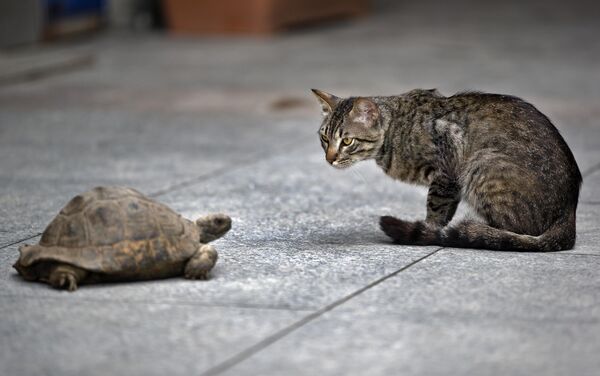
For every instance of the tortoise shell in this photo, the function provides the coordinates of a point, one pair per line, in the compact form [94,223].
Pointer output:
[116,230]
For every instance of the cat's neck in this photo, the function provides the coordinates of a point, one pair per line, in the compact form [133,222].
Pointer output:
[398,117]
[387,108]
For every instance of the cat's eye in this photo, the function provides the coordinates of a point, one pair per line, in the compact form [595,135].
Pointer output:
[347,141]
[324,138]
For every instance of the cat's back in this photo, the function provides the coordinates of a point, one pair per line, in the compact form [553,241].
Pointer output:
[507,123]
[512,127]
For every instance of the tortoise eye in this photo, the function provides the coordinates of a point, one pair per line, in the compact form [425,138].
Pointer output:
[347,141]
[324,138]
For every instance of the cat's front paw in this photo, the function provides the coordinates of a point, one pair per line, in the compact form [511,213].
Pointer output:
[393,227]
[408,233]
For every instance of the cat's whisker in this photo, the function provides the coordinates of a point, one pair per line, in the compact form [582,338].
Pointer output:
[357,173]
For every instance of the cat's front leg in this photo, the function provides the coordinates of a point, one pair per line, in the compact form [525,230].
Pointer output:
[442,200]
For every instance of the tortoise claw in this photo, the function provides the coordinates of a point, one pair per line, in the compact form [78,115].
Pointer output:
[64,281]
[201,263]
[200,275]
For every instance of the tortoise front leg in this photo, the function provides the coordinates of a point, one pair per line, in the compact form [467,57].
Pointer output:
[201,263]
[66,277]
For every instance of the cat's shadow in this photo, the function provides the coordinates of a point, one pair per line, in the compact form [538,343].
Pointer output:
[351,236]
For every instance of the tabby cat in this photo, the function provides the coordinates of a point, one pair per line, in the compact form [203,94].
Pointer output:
[496,152]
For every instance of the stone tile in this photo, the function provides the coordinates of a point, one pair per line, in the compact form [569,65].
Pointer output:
[456,282]
[300,239]
[67,335]
[577,122]
[457,312]
[276,276]
[588,229]
[297,196]
[372,344]
[52,156]
[590,190]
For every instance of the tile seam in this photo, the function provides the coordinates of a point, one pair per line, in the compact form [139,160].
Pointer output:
[183,184]
[269,340]
[59,299]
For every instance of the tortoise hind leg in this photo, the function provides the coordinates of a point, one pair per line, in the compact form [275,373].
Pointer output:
[66,277]
[201,263]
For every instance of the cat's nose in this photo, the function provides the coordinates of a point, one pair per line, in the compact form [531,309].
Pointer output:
[331,155]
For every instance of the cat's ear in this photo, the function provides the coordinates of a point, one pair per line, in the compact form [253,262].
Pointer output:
[365,111]
[327,101]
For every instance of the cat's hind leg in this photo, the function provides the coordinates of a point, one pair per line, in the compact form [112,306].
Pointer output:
[509,197]
[520,215]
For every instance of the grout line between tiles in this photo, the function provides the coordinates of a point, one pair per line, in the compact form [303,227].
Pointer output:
[190,182]
[257,158]
[20,240]
[257,347]
[198,179]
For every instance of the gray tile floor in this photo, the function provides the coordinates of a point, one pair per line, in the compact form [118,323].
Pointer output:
[306,283]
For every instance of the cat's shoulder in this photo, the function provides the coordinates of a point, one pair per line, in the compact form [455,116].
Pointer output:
[423,93]
[483,97]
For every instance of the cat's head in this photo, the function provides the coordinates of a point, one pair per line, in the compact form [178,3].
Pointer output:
[351,130]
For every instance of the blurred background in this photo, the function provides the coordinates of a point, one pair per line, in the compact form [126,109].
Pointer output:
[242,48]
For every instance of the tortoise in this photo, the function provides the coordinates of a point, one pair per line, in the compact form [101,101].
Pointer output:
[117,234]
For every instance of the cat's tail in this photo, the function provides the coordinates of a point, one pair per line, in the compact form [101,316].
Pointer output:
[472,234]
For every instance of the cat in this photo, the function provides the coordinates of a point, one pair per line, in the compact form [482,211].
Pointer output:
[496,152]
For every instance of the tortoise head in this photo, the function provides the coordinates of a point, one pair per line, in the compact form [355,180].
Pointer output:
[213,226]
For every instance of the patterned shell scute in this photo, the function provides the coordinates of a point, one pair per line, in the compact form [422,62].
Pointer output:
[139,216]
[170,222]
[105,223]
[106,216]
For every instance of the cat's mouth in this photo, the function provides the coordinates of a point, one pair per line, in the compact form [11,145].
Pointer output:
[345,163]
